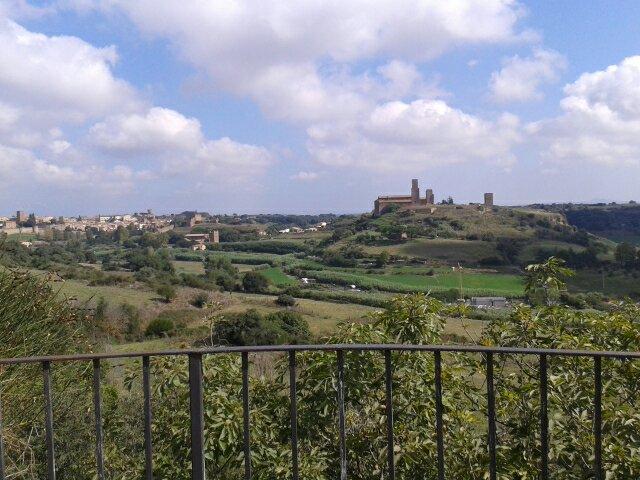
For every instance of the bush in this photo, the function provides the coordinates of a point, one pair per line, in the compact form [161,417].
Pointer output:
[132,320]
[167,292]
[159,327]
[285,300]
[255,282]
[252,328]
[199,300]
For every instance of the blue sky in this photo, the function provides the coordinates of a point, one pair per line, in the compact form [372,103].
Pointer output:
[314,106]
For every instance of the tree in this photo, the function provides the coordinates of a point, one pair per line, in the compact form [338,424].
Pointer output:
[545,281]
[255,282]
[121,235]
[626,255]
[509,248]
[382,259]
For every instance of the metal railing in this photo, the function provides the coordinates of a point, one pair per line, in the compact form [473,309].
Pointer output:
[197,407]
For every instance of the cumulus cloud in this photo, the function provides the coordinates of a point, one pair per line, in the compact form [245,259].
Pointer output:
[293,59]
[298,62]
[520,78]
[53,87]
[405,136]
[56,77]
[178,142]
[154,131]
[600,120]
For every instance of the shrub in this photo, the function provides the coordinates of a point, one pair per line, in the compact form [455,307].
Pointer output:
[167,292]
[199,300]
[285,300]
[252,328]
[159,327]
[132,320]
[255,282]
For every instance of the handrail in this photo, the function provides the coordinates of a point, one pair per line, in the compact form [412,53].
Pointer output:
[328,348]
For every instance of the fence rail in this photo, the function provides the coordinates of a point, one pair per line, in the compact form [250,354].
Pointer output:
[195,357]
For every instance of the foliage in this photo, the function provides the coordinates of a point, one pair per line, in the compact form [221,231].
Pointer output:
[415,319]
[253,328]
[159,327]
[167,292]
[285,300]
[199,300]
[545,281]
[35,321]
[255,282]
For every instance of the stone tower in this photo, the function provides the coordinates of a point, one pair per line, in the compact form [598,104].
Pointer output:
[429,197]
[488,199]
[415,191]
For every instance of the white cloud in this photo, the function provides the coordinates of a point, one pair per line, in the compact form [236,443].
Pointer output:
[55,87]
[22,169]
[600,122]
[294,58]
[305,176]
[154,131]
[519,79]
[178,144]
[59,78]
[420,134]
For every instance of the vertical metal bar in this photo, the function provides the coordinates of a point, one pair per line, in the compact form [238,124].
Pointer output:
[597,417]
[48,414]
[439,430]
[544,420]
[341,417]
[197,416]
[1,444]
[245,411]
[294,414]
[491,399]
[148,448]
[389,414]
[97,410]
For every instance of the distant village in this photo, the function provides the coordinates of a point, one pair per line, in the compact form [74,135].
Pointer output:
[47,228]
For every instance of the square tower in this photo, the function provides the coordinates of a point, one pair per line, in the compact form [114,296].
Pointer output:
[415,191]
[488,199]
[429,197]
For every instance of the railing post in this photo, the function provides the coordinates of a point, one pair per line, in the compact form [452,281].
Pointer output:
[197,416]
[97,409]
[48,418]
[245,415]
[341,417]
[1,443]
[544,420]
[148,417]
[439,430]
[294,414]
[491,399]
[389,414]
[597,417]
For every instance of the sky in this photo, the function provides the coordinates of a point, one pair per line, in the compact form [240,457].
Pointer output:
[315,106]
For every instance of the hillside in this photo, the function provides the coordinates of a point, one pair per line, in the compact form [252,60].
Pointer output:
[468,235]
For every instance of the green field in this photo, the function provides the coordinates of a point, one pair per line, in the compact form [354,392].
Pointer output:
[499,283]
[277,277]
[472,283]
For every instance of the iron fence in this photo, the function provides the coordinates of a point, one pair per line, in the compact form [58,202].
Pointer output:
[197,408]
